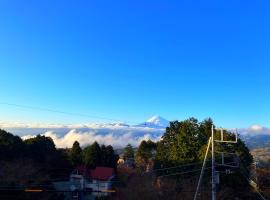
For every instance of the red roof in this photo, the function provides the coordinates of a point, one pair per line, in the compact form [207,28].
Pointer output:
[102,173]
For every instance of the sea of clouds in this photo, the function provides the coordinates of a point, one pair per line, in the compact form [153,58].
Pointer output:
[117,135]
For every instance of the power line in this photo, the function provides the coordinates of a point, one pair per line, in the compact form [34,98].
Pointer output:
[255,188]
[245,174]
[56,111]
[67,113]
[181,173]
[179,166]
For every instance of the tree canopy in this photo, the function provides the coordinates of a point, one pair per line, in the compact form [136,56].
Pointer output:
[94,155]
[145,153]
[186,141]
[128,152]
[10,146]
[76,154]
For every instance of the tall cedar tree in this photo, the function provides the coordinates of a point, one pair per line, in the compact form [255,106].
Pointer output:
[146,152]
[128,152]
[109,159]
[76,154]
[92,155]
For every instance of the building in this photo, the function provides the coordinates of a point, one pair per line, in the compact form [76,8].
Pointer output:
[98,180]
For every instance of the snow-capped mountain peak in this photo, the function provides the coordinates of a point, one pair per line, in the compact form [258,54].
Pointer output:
[158,121]
[155,122]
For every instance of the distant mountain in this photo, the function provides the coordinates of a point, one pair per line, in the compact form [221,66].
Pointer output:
[256,136]
[256,141]
[155,122]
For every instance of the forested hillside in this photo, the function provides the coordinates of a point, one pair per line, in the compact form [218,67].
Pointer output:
[166,169]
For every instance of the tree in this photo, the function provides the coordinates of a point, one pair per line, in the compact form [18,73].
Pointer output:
[128,152]
[76,154]
[41,148]
[186,141]
[109,159]
[145,154]
[104,161]
[92,155]
[10,146]
[181,142]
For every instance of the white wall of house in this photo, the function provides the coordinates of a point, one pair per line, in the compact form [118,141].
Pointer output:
[78,182]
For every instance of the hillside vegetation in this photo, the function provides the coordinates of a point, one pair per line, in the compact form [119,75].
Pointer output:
[167,169]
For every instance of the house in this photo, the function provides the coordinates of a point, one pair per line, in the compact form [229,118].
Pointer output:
[79,177]
[125,162]
[101,180]
[120,161]
[98,180]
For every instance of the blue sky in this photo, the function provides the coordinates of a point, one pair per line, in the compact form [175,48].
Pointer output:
[130,60]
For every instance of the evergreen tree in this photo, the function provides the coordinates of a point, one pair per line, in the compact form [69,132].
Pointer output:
[10,146]
[181,142]
[112,157]
[145,153]
[41,148]
[109,159]
[128,152]
[92,155]
[186,141]
[104,161]
[76,154]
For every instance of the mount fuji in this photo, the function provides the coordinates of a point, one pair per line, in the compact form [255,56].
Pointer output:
[116,134]
[155,122]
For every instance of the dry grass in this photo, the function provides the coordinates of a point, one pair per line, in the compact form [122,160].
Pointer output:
[262,153]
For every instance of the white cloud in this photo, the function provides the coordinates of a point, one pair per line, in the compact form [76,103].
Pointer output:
[117,135]
[254,130]
[86,138]
[256,127]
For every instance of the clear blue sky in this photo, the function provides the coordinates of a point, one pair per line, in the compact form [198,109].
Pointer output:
[130,60]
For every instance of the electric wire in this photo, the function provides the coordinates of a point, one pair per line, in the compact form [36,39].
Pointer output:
[68,113]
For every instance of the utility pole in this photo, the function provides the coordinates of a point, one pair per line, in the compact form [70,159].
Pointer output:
[213,166]
[203,168]
[215,175]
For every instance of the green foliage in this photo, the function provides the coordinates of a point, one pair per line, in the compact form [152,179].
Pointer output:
[10,146]
[37,159]
[109,159]
[145,153]
[186,141]
[41,148]
[128,152]
[92,155]
[181,142]
[76,154]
